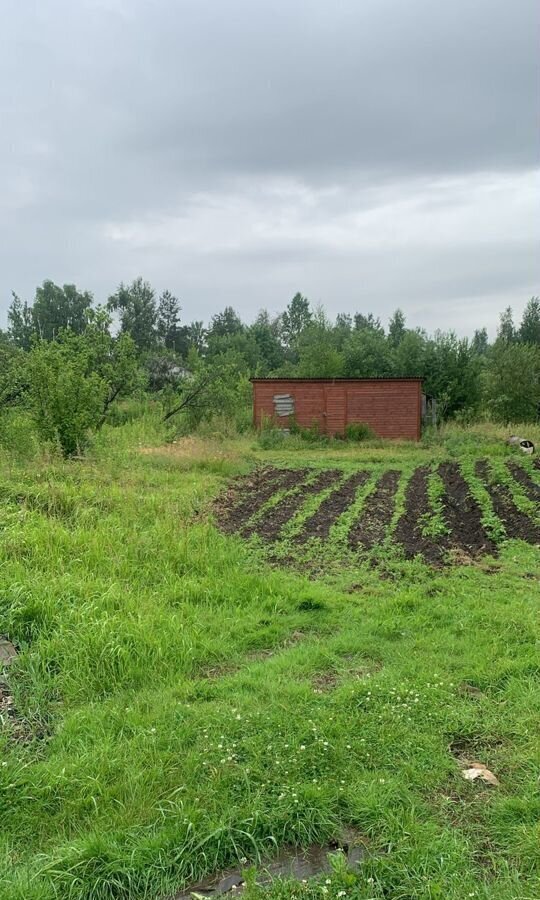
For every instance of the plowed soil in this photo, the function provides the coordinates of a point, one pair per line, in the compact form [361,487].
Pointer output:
[248,493]
[409,528]
[516,522]
[319,524]
[531,489]
[370,528]
[269,526]
[462,513]
[242,510]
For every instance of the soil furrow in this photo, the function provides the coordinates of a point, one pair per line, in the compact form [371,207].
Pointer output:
[269,527]
[516,522]
[249,493]
[370,528]
[462,513]
[319,524]
[408,531]
[531,489]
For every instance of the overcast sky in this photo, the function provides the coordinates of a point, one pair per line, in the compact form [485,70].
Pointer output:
[369,153]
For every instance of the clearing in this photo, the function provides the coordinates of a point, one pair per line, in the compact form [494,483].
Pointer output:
[216,656]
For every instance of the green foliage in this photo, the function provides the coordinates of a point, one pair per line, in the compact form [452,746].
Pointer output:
[512,382]
[13,375]
[366,354]
[409,357]
[225,324]
[529,330]
[358,431]
[136,304]
[311,434]
[66,397]
[18,434]
[171,334]
[451,373]
[480,342]
[318,354]
[294,321]
[222,389]
[20,323]
[72,383]
[270,353]
[54,309]
[396,328]
[156,351]
[185,706]
[270,437]
[507,330]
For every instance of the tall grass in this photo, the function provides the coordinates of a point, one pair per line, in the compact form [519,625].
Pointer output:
[169,723]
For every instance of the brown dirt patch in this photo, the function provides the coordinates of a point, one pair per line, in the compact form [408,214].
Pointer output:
[519,474]
[370,528]
[462,513]
[224,669]
[247,494]
[468,746]
[319,524]
[18,728]
[470,690]
[323,682]
[192,448]
[328,680]
[269,527]
[289,863]
[290,641]
[409,528]
[516,522]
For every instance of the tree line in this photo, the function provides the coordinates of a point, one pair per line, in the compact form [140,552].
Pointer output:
[67,361]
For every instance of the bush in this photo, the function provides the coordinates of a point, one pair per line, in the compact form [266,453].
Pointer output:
[311,434]
[511,383]
[271,437]
[66,401]
[358,431]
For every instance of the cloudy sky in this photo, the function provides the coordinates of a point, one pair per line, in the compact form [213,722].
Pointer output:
[369,153]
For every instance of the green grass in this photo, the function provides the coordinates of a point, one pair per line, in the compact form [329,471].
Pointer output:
[166,687]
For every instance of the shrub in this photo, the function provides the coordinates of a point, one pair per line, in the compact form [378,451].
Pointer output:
[511,383]
[311,434]
[66,401]
[358,431]
[270,436]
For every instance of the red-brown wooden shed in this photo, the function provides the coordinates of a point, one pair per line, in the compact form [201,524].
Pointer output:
[392,407]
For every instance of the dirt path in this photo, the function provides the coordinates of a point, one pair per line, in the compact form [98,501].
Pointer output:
[319,524]
[516,522]
[462,513]
[370,528]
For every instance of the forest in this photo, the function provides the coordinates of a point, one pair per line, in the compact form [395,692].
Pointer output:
[66,361]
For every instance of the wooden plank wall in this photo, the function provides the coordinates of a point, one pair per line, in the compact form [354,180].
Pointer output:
[391,408]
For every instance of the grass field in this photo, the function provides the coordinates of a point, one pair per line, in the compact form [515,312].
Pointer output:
[197,687]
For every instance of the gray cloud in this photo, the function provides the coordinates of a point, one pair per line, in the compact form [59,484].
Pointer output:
[369,153]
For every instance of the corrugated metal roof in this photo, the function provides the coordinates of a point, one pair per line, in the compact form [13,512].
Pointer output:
[332,380]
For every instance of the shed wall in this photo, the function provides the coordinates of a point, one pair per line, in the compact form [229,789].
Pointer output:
[391,408]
